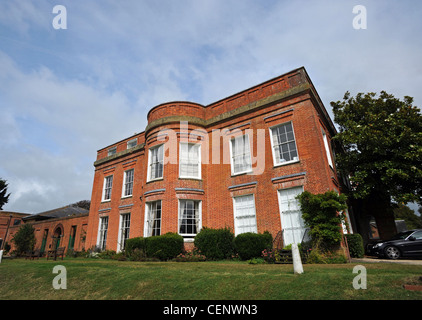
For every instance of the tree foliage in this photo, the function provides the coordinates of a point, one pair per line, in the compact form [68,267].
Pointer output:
[403,212]
[323,214]
[24,239]
[382,138]
[4,197]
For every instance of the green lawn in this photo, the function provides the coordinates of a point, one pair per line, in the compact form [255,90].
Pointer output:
[108,279]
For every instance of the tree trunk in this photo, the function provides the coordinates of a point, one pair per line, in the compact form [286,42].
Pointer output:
[379,206]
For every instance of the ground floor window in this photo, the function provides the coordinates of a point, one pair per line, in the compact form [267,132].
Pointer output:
[153,219]
[244,214]
[189,218]
[124,230]
[292,223]
[102,233]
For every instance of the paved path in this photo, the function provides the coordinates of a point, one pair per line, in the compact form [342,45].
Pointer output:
[377,260]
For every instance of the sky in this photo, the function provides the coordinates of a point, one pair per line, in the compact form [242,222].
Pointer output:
[66,93]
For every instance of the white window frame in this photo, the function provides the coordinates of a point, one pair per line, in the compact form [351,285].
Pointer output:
[190,236]
[327,148]
[150,151]
[105,188]
[127,184]
[131,143]
[102,233]
[288,213]
[149,219]
[236,215]
[124,230]
[232,155]
[282,163]
[197,161]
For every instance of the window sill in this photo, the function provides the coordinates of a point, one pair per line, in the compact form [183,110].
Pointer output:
[190,178]
[286,163]
[154,180]
[241,173]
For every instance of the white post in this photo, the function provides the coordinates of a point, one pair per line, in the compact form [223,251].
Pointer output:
[297,262]
[1,255]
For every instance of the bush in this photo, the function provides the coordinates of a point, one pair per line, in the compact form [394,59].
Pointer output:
[323,214]
[355,243]
[250,245]
[138,244]
[326,257]
[24,239]
[164,247]
[215,244]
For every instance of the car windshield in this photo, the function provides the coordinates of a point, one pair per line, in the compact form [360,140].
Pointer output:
[401,235]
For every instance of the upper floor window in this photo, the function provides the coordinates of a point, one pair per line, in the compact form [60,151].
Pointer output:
[327,148]
[283,144]
[131,143]
[240,155]
[156,162]
[111,151]
[108,184]
[190,161]
[128,183]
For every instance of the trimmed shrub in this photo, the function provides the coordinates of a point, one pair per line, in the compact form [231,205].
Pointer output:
[250,245]
[138,243]
[164,247]
[355,243]
[215,244]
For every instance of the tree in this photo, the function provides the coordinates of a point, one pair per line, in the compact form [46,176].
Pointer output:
[82,204]
[382,142]
[24,239]
[3,190]
[403,212]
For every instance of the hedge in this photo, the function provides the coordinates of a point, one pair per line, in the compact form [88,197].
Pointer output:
[250,245]
[355,243]
[164,247]
[135,243]
[215,244]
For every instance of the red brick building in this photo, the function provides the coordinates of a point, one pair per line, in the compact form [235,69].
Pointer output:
[238,163]
[61,227]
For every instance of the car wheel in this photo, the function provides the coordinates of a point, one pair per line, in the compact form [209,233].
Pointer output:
[392,253]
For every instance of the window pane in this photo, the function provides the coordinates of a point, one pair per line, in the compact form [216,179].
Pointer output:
[241,157]
[245,217]
[189,160]
[189,217]
[153,218]
[156,162]
[108,183]
[284,143]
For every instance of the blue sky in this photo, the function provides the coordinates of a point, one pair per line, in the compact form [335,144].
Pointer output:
[66,93]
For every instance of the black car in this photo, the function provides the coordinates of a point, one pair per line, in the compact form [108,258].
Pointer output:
[403,244]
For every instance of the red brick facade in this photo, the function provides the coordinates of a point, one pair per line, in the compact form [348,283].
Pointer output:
[255,112]
[67,231]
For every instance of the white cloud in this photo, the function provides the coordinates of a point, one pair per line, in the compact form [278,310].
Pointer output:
[66,93]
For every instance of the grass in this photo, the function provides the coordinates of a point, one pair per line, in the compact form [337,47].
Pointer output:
[120,280]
